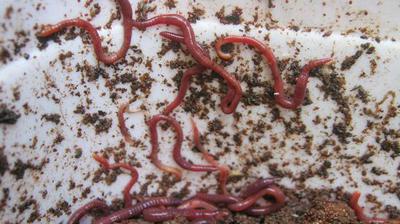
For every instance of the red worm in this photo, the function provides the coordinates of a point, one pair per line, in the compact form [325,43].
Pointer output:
[128,187]
[217,198]
[228,103]
[359,210]
[189,73]
[179,38]
[121,123]
[223,169]
[252,199]
[82,211]
[177,147]
[281,99]
[126,11]
[184,86]
[223,178]
[196,204]
[256,186]
[279,202]
[152,123]
[137,209]
[160,215]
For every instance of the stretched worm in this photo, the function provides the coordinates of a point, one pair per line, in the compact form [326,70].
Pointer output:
[137,209]
[256,186]
[252,199]
[82,211]
[223,169]
[184,86]
[195,203]
[132,170]
[360,211]
[126,11]
[121,123]
[160,215]
[301,83]
[229,102]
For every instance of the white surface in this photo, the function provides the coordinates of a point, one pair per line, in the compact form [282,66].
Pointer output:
[30,76]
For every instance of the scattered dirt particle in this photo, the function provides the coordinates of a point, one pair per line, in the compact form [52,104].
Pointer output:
[9,11]
[361,94]
[274,171]
[19,169]
[95,10]
[100,123]
[333,86]
[349,61]
[195,14]
[233,18]
[323,170]
[3,162]
[215,126]
[78,153]
[34,216]
[62,207]
[170,4]
[91,72]
[64,56]
[142,9]
[340,130]
[103,125]
[58,139]
[86,192]
[8,116]
[390,146]
[16,93]
[373,66]
[26,204]
[4,55]
[167,46]
[55,118]
[79,109]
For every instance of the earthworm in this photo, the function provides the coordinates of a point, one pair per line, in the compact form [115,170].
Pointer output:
[126,11]
[279,202]
[179,38]
[252,199]
[229,102]
[301,83]
[152,123]
[217,198]
[176,150]
[160,215]
[223,178]
[223,169]
[359,210]
[195,203]
[128,187]
[121,123]
[82,211]
[195,70]
[256,186]
[137,209]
